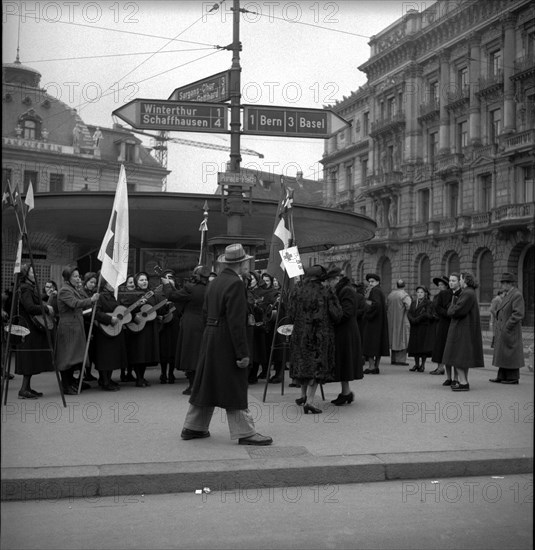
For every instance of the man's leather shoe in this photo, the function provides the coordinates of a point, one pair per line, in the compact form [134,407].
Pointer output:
[193,434]
[509,381]
[496,380]
[256,439]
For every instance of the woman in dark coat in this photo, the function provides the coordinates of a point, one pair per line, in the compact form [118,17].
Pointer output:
[422,333]
[71,337]
[169,326]
[464,346]
[375,342]
[190,299]
[348,364]
[90,281]
[142,346]
[441,302]
[28,361]
[109,351]
[313,309]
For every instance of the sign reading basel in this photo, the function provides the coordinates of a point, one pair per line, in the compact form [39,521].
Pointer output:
[289,122]
[154,114]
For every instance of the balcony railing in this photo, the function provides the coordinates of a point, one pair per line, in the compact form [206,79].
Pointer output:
[449,163]
[482,220]
[383,124]
[524,63]
[490,81]
[513,212]
[517,142]
[448,225]
[420,229]
[430,108]
[462,93]
[484,151]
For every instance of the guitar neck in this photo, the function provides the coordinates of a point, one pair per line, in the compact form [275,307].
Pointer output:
[156,307]
[146,296]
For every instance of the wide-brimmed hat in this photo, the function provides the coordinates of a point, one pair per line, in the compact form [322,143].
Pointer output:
[373,276]
[508,277]
[442,279]
[234,253]
[332,273]
[315,272]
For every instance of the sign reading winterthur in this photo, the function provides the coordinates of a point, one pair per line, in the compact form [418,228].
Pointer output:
[154,114]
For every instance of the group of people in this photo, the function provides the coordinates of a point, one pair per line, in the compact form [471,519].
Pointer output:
[220,330]
[447,329]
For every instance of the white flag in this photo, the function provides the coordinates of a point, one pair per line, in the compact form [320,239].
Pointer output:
[29,197]
[114,249]
[282,233]
[18,259]
[292,262]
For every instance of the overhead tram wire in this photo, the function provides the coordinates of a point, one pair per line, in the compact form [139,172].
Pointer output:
[113,55]
[123,31]
[293,22]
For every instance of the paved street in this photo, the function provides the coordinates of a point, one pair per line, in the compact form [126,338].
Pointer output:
[473,512]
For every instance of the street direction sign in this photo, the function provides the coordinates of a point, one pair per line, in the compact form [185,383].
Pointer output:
[291,122]
[235,178]
[178,116]
[215,88]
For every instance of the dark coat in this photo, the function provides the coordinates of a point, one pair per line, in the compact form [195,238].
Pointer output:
[188,344]
[464,346]
[441,302]
[219,382]
[109,352]
[313,309]
[168,334]
[143,347]
[422,333]
[348,364]
[508,347]
[361,310]
[375,333]
[31,362]
[71,337]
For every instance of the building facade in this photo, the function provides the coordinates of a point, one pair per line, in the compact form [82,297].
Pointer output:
[46,142]
[441,149]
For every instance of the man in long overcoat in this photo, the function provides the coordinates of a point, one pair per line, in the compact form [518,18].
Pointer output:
[375,335]
[508,347]
[398,304]
[221,374]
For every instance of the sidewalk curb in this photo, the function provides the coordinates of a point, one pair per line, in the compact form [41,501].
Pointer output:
[135,480]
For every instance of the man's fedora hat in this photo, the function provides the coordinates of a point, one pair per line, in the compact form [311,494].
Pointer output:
[234,253]
[508,277]
[442,279]
[202,271]
[315,272]
[373,276]
[332,273]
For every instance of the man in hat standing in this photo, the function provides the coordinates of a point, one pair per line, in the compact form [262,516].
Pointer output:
[441,303]
[508,346]
[375,335]
[221,376]
[398,304]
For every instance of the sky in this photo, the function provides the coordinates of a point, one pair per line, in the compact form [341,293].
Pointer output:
[294,54]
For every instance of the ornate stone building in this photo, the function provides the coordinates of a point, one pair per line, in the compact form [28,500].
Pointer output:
[46,142]
[441,150]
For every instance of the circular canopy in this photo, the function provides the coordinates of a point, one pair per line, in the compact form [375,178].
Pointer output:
[173,220]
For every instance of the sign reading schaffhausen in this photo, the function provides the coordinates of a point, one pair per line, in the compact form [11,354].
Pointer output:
[159,114]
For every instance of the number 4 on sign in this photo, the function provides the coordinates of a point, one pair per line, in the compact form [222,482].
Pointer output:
[292,262]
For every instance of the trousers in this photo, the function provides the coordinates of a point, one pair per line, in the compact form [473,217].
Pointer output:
[240,421]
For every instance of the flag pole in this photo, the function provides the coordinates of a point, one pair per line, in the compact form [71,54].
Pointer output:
[86,352]
[203,229]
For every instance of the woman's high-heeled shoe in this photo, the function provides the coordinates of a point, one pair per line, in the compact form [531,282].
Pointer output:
[311,409]
[343,399]
[301,400]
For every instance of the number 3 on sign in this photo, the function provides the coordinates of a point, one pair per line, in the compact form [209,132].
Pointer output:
[291,122]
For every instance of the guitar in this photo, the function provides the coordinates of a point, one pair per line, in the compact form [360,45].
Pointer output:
[147,313]
[43,323]
[168,317]
[124,316]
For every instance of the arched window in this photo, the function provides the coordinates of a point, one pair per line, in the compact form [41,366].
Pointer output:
[485,277]
[360,273]
[31,125]
[453,264]
[386,275]
[424,271]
